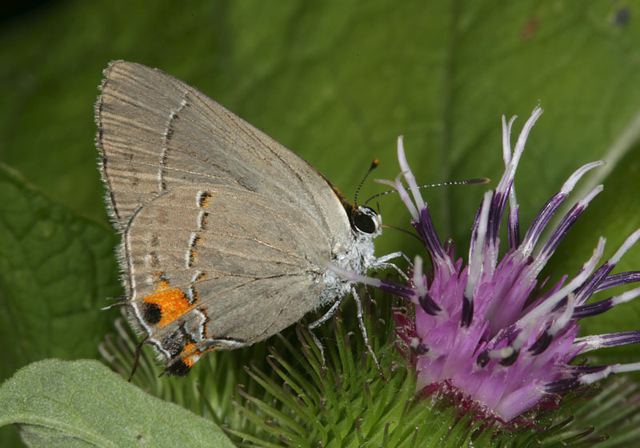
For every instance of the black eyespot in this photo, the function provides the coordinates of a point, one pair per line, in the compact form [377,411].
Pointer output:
[364,220]
[151,313]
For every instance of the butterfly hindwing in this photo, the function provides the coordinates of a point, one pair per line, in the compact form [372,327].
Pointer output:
[246,264]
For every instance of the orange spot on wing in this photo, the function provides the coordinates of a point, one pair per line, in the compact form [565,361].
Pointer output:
[172,302]
[191,354]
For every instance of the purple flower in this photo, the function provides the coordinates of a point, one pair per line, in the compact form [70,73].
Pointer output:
[482,330]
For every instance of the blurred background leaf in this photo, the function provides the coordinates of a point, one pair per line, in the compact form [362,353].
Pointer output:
[56,273]
[336,82]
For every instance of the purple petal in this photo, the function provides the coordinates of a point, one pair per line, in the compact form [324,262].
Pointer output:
[408,176]
[617,280]
[595,342]
[431,240]
[566,223]
[544,216]
[587,289]
[428,305]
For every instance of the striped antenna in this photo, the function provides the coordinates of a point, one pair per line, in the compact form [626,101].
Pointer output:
[474,181]
[373,166]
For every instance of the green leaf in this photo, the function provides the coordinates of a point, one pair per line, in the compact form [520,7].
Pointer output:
[84,404]
[56,272]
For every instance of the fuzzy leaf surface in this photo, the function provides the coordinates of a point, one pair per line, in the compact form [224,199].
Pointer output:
[84,404]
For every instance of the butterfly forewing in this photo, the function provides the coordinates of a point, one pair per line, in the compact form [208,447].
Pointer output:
[156,133]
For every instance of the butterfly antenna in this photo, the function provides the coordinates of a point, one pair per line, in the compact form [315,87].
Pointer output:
[374,165]
[474,181]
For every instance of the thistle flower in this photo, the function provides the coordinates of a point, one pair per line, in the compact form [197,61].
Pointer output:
[482,331]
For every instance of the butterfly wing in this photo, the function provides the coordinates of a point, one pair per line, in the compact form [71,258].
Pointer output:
[240,271]
[156,133]
[214,262]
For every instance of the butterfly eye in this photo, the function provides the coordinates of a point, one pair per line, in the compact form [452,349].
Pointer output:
[365,220]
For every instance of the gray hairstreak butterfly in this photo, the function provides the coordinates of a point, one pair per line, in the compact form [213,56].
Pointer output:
[227,236]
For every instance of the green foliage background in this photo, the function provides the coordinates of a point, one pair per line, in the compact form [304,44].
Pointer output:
[335,81]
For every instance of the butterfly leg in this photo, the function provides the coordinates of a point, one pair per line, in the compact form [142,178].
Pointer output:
[383,263]
[380,266]
[325,317]
[393,256]
[363,329]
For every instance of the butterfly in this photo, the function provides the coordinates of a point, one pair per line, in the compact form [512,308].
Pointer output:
[228,237]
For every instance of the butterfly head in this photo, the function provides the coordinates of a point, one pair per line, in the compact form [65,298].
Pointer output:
[365,221]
